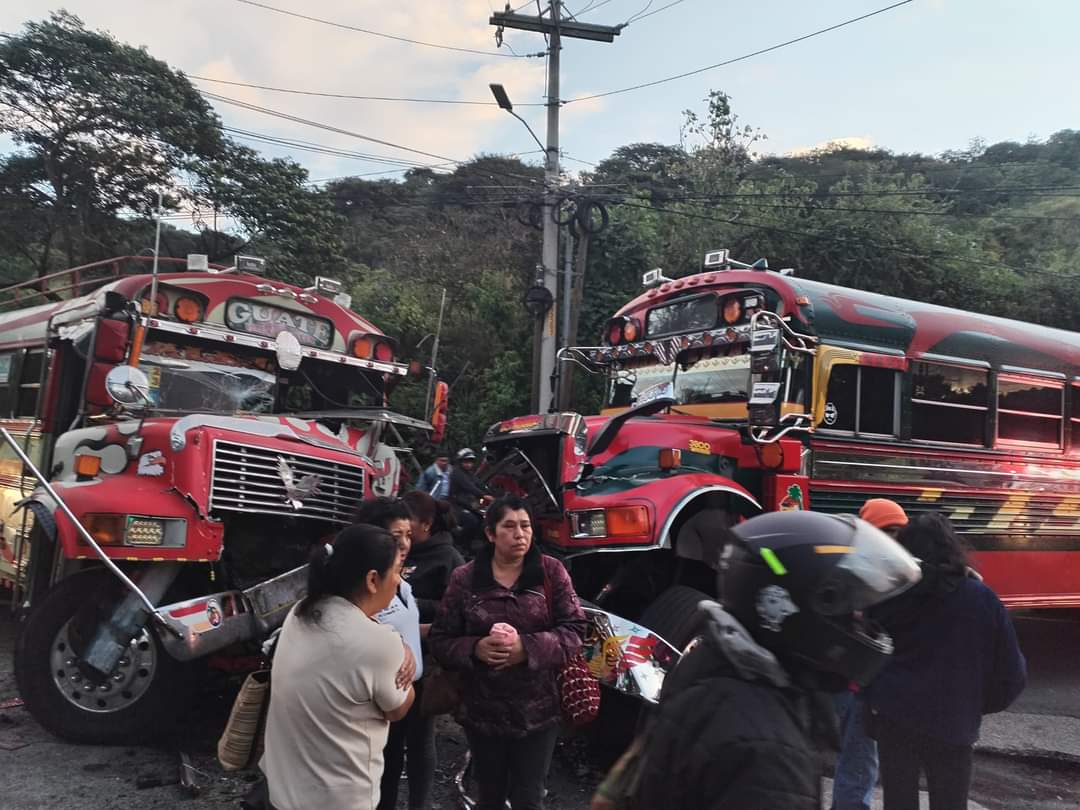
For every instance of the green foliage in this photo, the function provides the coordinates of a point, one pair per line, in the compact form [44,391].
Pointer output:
[102,127]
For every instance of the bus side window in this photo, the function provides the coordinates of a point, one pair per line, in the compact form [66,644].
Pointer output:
[1029,411]
[29,383]
[949,403]
[1074,420]
[862,400]
[7,364]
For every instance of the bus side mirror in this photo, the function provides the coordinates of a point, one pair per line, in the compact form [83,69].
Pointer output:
[128,387]
[763,409]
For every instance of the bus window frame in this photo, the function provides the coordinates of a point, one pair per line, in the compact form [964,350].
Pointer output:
[898,377]
[988,410]
[1042,382]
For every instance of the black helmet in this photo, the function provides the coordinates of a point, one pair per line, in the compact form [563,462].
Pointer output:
[800,582]
[465,454]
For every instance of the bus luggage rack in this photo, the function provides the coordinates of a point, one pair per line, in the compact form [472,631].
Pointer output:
[249,479]
[75,281]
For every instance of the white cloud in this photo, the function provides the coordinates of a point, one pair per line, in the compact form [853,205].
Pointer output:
[234,41]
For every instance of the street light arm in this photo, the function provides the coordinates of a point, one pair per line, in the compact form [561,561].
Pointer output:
[526,123]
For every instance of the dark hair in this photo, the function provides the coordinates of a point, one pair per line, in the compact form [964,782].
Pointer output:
[437,512]
[932,538]
[339,569]
[382,512]
[505,503]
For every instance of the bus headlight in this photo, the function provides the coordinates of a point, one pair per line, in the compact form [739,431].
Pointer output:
[613,522]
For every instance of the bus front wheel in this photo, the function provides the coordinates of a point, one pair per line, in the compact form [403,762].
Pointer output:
[70,699]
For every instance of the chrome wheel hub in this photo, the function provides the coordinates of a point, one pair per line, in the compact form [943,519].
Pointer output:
[127,683]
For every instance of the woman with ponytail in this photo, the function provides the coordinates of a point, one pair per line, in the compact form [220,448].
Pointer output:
[335,684]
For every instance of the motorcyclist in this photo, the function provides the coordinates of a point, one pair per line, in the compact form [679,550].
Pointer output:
[468,496]
[742,714]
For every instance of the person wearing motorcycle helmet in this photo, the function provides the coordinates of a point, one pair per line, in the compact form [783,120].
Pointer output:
[738,715]
[468,496]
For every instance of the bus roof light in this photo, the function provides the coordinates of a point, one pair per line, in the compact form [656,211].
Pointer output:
[326,286]
[716,259]
[198,261]
[654,277]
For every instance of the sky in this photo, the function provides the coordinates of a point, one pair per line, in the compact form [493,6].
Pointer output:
[927,76]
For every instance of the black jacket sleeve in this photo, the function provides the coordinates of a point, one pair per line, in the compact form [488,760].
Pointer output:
[1006,676]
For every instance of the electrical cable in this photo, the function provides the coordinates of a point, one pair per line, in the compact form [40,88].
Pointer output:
[841,240]
[340,131]
[732,61]
[380,34]
[327,94]
[654,11]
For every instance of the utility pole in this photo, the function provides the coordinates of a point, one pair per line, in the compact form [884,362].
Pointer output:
[556,28]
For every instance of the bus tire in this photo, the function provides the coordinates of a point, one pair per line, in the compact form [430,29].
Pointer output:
[674,615]
[139,698]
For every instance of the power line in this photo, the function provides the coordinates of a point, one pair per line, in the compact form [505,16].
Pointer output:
[328,127]
[654,11]
[1038,191]
[804,37]
[333,151]
[842,240]
[381,34]
[905,212]
[340,131]
[326,94]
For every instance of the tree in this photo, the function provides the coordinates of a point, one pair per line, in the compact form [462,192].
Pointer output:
[103,127]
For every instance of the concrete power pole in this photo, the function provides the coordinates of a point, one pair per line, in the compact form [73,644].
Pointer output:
[556,27]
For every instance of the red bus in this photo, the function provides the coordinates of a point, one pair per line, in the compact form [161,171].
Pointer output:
[204,428]
[740,389]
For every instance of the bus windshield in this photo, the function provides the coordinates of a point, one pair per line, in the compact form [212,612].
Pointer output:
[198,376]
[715,379]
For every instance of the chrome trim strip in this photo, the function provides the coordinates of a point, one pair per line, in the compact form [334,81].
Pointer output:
[256,342]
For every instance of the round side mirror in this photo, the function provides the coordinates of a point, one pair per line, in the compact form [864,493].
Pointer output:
[128,387]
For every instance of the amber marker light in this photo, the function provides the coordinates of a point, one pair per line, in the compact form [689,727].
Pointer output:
[625,521]
[188,310]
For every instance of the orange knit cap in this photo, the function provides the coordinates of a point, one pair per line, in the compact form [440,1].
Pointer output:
[881,512]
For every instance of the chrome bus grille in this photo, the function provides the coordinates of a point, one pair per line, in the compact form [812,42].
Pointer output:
[248,479]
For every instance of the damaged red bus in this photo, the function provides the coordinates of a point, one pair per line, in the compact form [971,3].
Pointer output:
[739,389]
[203,427]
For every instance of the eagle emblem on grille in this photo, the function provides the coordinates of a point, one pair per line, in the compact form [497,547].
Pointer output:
[296,492]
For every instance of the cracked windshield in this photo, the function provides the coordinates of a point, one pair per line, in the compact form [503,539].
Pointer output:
[716,379]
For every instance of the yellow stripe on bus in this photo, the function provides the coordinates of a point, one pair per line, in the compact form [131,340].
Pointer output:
[1008,511]
[930,495]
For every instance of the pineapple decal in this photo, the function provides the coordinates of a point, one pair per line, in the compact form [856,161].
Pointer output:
[793,501]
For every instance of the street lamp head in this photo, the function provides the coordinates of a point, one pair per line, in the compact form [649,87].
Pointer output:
[501,98]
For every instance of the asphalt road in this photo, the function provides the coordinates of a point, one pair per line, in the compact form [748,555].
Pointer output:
[1051,642]
[38,771]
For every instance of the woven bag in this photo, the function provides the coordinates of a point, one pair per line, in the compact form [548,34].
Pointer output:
[245,722]
[579,691]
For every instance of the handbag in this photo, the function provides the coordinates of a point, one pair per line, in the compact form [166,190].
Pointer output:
[246,721]
[579,691]
[440,691]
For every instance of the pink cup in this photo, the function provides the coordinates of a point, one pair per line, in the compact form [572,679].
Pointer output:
[505,632]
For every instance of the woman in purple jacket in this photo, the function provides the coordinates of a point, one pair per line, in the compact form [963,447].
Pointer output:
[511,698]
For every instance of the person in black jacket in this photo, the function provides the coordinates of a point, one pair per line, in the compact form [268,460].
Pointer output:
[433,556]
[956,659]
[468,496]
[739,716]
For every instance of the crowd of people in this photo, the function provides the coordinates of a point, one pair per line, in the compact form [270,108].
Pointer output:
[391,599]
[875,621]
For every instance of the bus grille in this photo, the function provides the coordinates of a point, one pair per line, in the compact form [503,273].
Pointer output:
[248,479]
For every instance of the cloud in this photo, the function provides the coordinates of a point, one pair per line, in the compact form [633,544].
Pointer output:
[229,40]
[852,142]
